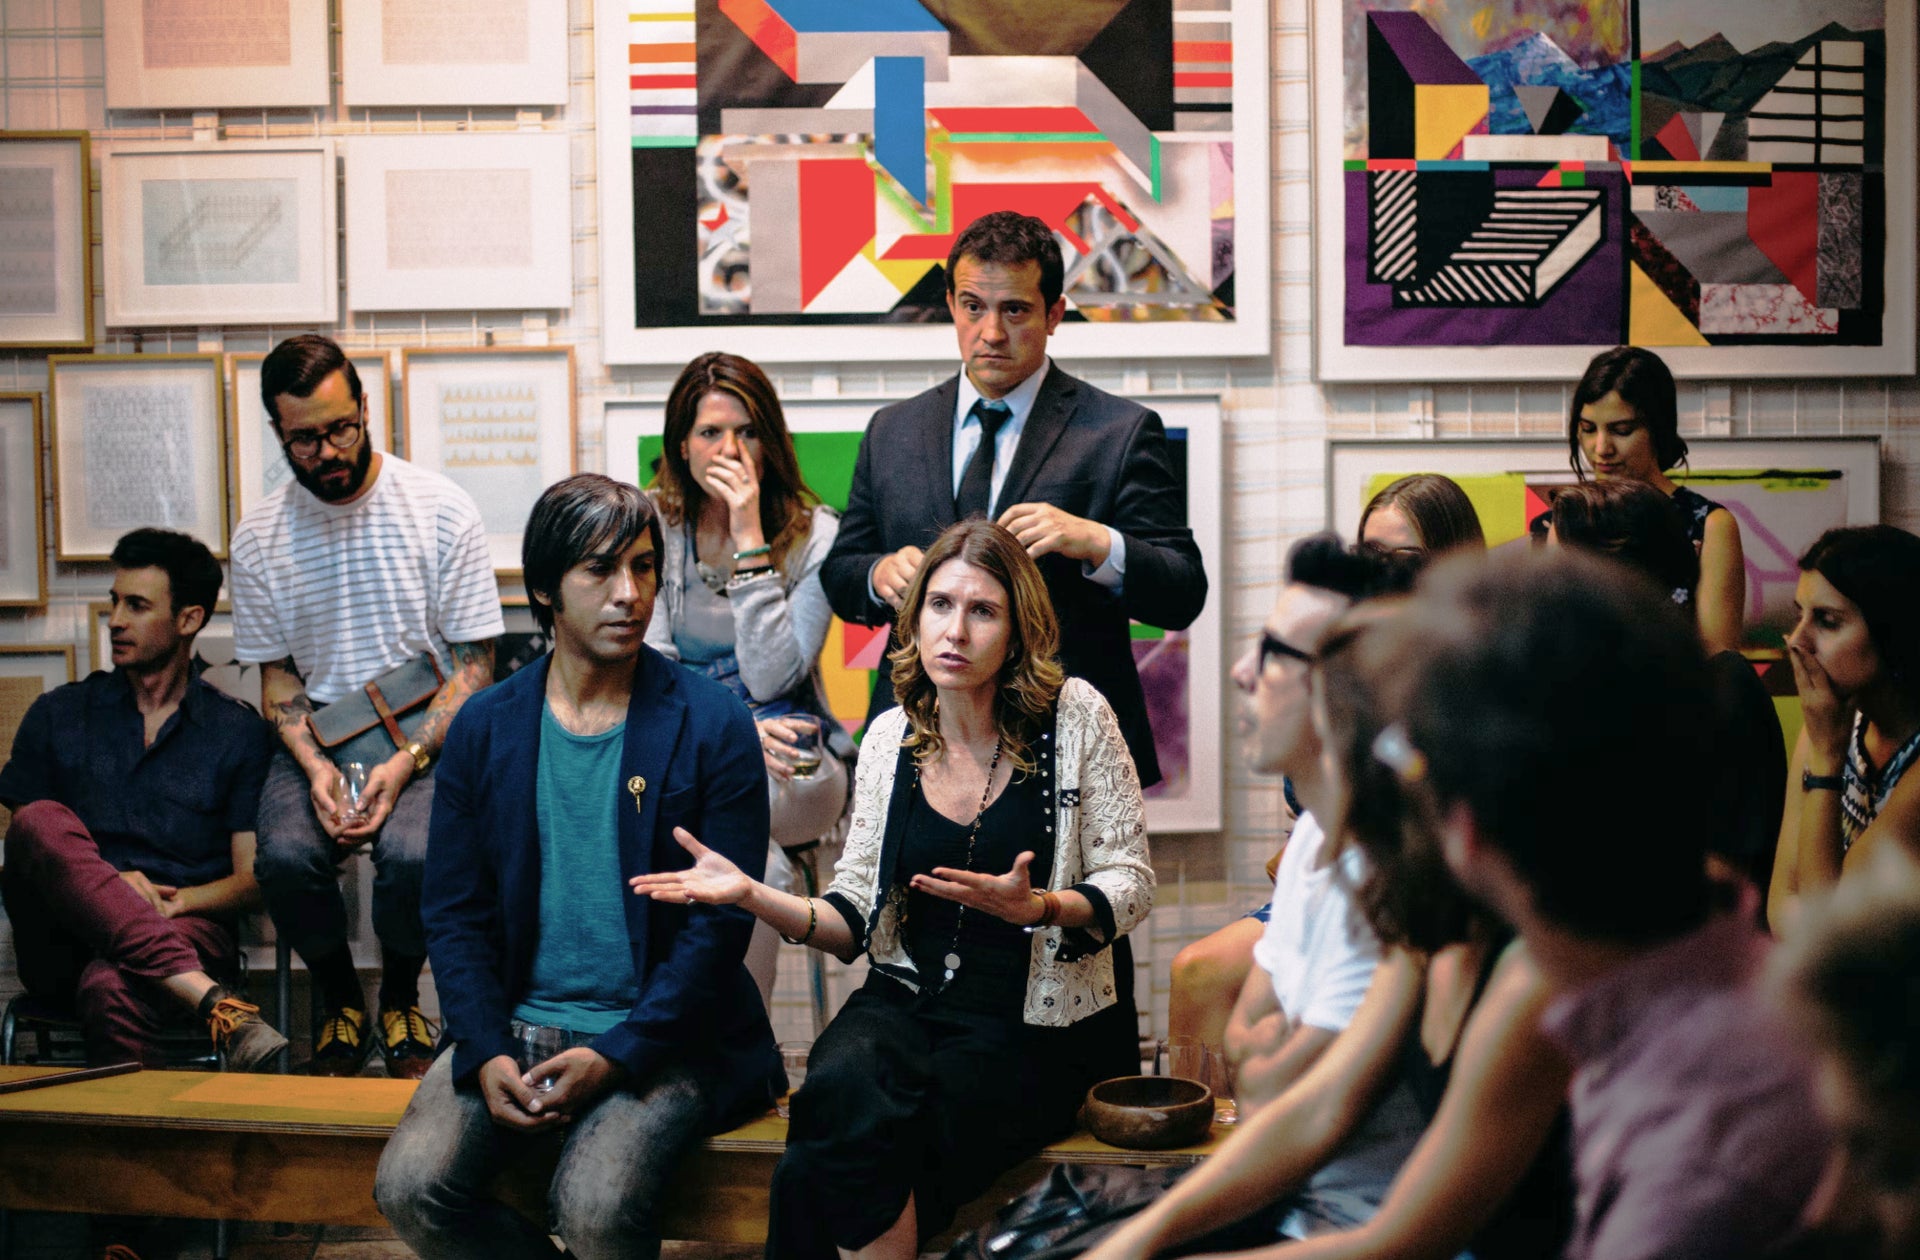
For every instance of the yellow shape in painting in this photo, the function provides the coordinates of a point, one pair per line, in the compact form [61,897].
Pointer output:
[1442,113]
[1653,319]
[1499,500]
[847,689]
[1483,23]
[902,274]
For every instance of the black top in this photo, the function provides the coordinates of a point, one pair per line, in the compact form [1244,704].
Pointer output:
[994,954]
[1695,508]
[168,811]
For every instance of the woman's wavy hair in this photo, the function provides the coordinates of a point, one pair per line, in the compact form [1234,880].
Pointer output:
[1644,382]
[1408,896]
[1031,677]
[1439,510]
[786,501]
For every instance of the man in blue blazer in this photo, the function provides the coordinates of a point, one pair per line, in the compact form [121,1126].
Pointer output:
[555,788]
[1083,478]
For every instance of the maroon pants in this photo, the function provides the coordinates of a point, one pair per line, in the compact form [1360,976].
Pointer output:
[82,934]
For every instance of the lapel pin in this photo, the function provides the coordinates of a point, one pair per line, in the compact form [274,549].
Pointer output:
[638,786]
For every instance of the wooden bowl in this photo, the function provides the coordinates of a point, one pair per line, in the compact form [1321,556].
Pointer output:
[1149,1113]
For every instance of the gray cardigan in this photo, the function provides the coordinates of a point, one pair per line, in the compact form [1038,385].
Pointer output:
[780,619]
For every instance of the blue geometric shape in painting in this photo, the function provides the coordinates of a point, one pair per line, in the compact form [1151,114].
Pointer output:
[1606,93]
[900,121]
[842,16]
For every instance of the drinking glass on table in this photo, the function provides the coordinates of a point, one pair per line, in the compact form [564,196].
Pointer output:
[1206,1062]
[793,1057]
[538,1043]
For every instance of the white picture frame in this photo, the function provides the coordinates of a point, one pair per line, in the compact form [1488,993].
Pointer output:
[1189,801]
[23,533]
[138,439]
[239,233]
[1245,24]
[417,208]
[500,422]
[217,54]
[453,52]
[256,466]
[46,231]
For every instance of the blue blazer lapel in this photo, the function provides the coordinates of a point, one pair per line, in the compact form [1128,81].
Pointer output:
[515,782]
[655,715]
[1048,420]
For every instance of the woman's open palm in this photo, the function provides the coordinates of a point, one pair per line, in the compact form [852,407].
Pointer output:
[711,880]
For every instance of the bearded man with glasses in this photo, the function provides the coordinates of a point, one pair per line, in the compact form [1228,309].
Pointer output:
[360,569]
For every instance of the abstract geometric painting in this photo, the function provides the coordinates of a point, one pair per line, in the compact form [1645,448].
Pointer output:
[1709,178]
[777,172]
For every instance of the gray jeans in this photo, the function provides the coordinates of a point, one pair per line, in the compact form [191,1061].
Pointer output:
[434,1176]
[298,866]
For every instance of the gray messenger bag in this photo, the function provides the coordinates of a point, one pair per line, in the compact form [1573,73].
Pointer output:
[380,719]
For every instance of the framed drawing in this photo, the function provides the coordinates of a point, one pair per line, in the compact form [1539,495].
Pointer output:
[238,54]
[27,672]
[255,465]
[458,222]
[1182,671]
[46,229]
[238,234]
[138,439]
[805,170]
[453,52]
[23,535]
[1783,491]
[500,422]
[1728,182]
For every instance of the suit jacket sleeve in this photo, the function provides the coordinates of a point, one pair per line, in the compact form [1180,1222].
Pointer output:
[460,906]
[1166,582]
[859,545]
[680,996]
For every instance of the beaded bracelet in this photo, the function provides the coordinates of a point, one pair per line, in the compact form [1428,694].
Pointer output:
[741,577]
[813,921]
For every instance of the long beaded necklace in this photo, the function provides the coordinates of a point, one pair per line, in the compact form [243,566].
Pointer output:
[952,960]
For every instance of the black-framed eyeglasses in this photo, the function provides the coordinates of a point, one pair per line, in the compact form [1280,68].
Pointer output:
[1274,649]
[341,435]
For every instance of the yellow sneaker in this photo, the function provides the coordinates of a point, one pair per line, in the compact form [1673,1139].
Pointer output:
[340,1043]
[406,1042]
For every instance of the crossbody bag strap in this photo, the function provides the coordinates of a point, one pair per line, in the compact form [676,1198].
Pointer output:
[385,712]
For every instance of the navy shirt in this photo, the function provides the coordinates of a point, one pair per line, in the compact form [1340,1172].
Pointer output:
[168,811]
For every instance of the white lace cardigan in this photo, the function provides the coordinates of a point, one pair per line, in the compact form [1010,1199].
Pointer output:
[1100,822]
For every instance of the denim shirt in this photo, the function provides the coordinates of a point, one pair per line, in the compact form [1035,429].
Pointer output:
[168,811]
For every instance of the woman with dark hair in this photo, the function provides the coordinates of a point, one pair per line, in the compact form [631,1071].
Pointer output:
[740,594]
[1856,664]
[1449,1029]
[998,849]
[1624,423]
[1636,524]
[1423,515]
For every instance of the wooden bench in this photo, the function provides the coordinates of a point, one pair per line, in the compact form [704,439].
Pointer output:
[303,1149]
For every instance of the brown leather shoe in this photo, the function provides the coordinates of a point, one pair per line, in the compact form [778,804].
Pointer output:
[247,1043]
[406,1042]
[340,1044]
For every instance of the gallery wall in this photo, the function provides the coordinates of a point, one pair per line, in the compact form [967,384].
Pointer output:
[1275,418]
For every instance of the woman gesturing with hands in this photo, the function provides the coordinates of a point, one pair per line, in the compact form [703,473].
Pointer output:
[996,852]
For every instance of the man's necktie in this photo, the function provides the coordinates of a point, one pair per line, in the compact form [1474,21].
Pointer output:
[976,482]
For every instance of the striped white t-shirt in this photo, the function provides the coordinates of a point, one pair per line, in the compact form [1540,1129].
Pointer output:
[352,591]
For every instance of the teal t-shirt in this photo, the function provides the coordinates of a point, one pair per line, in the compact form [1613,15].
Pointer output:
[582,974]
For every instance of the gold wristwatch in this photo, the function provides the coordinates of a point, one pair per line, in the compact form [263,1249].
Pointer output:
[420,758]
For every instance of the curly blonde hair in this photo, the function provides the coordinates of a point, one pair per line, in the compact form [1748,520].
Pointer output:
[1030,678]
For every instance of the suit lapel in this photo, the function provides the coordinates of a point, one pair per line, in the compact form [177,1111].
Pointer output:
[1047,421]
[655,714]
[936,458]
[518,723]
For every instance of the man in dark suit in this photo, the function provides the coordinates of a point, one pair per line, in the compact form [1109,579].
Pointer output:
[1082,478]
[626,1026]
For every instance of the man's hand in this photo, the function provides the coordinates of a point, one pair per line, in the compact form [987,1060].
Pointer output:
[893,574]
[1044,529]
[159,896]
[510,1100]
[324,790]
[579,1075]
[385,782]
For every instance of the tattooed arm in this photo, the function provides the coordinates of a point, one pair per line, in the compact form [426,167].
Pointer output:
[472,670]
[283,696]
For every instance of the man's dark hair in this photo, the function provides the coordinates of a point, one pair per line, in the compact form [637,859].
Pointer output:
[1327,561]
[584,515]
[1010,238]
[297,366]
[1561,699]
[193,575]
